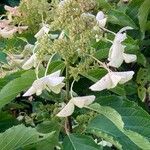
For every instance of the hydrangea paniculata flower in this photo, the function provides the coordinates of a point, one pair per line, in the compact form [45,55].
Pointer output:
[101,19]
[111,79]
[31,62]
[76,101]
[116,53]
[44,30]
[52,82]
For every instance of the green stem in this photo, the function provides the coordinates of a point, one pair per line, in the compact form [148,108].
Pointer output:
[68,122]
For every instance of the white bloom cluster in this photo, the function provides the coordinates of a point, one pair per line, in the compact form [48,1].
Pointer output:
[54,82]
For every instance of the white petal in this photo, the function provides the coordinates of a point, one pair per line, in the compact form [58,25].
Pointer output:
[44,30]
[100,15]
[53,81]
[115,79]
[30,91]
[115,55]
[101,19]
[129,58]
[125,76]
[124,29]
[67,110]
[87,15]
[120,37]
[39,91]
[104,83]
[83,101]
[53,36]
[57,89]
[7,33]
[55,74]
[30,62]
[102,22]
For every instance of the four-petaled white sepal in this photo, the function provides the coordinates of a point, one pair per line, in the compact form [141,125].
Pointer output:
[116,53]
[76,101]
[52,82]
[111,80]
[31,62]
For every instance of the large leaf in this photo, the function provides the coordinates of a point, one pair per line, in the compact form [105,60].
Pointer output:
[104,4]
[10,77]
[14,87]
[143,15]
[79,142]
[102,127]
[117,17]
[136,123]
[47,127]
[21,136]
[3,57]
[133,8]
[6,121]
[56,65]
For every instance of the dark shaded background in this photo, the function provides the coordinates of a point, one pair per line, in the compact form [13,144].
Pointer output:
[7,2]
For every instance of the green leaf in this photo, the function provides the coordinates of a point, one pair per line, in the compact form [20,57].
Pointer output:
[143,15]
[48,127]
[139,140]
[102,53]
[142,93]
[6,121]
[141,59]
[110,113]
[3,57]
[102,127]
[104,4]
[21,136]
[79,142]
[117,17]
[56,65]
[95,74]
[119,89]
[143,76]
[123,129]
[14,87]
[133,8]
[133,116]
[8,78]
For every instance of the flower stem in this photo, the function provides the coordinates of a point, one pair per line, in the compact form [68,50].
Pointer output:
[68,121]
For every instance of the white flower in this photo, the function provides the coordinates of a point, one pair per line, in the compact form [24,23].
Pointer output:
[76,101]
[53,36]
[52,82]
[101,19]
[8,32]
[105,143]
[88,15]
[111,80]
[31,62]
[4,23]
[20,29]
[44,30]
[12,10]
[62,3]
[116,53]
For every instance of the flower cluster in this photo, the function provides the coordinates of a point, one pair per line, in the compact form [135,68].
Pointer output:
[7,30]
[77,29]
